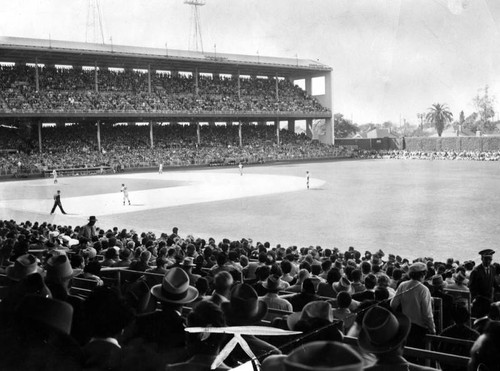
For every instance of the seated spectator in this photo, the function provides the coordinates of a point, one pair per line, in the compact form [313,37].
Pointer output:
[107,315]
[301,276]
[124,258]
[110,257]
[223,282]
[493,315]
[326,288]
[460,330]
[342,311]
[150,328]
[92,271]
[369,293]
[343,285]
[384,334]
[40,338]
[356,283]
[261,274]
[203,348]
[485,353]
[244,309]
[300,300]
[274,285]
[314,316]
[317,355]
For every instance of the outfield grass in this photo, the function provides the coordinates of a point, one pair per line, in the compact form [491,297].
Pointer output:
[412,208]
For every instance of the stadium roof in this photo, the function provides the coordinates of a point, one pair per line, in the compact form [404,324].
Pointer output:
[51,52]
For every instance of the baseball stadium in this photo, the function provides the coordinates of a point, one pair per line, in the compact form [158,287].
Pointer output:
[163,209]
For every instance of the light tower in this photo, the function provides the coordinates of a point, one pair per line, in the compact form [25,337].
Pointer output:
[94,32]
[195,38]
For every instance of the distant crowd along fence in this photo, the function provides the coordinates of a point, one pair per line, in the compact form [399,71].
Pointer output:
[457,144]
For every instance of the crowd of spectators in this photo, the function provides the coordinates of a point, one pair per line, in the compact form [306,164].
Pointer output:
[125,147]
[429,155]
[74,89]
[176,281]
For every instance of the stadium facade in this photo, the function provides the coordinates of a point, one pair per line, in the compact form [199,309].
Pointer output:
[50,53]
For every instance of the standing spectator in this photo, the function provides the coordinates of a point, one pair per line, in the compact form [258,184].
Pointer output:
[413,298]
[384,335]
[89,230]
[482,284]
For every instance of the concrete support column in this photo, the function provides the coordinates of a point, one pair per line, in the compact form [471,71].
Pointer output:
[99,136]
[277,125]
[37,79]
[308,85]
[239,86]
[196,88]
[149,78]
[40,136]
[151,123]
[96,83]
[240,136]
[198,132]
[291,125]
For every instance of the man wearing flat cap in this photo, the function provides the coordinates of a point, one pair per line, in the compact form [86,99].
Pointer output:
[482,284]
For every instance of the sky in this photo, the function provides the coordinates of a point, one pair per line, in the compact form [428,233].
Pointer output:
[391,59]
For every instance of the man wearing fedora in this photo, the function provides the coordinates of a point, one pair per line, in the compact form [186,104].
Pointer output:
[89,230]
[245,309]
[384,334]
[163,330]
[482,284]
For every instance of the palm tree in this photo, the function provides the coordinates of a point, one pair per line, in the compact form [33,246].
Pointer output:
[439,115]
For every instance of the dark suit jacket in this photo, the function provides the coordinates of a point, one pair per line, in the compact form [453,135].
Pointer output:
[102,355]
[163,332]
[482,284]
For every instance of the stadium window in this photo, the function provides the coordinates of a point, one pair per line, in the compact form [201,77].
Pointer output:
[89,68]
[205,74]
[185,74]
[7,64]
[163,72]
[140,70]
[203,123]
[247,77]
[40,65]
[63,66]
[120,124]
[318,85]
[48,125]
[300,83]
[142,123]
[263,77]
[116,69]
[225,76]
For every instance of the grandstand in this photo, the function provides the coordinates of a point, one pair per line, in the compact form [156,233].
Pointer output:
[97,86]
